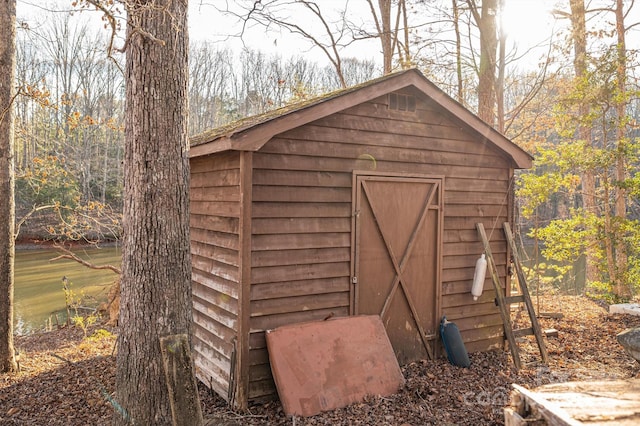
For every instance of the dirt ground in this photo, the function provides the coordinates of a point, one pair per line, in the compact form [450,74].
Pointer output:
[67,379]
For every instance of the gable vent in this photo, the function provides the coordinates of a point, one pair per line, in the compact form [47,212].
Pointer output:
[400,102]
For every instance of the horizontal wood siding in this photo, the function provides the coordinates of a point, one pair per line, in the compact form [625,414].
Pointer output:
[300,255]
[215,208]
[302,217]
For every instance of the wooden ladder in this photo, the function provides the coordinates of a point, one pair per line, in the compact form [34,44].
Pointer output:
[504,303]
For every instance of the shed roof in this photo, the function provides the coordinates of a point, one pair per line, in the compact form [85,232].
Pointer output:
[251,133]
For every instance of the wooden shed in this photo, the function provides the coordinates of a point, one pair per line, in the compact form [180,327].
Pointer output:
[362,201]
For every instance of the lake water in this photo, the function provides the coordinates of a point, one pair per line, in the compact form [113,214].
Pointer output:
[38,293]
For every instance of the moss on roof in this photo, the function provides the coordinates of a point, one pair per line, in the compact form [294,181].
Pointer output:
[238,126]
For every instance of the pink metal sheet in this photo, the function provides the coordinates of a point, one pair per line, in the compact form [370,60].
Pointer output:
[320,366]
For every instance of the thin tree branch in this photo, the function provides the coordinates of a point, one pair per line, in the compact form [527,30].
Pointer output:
[8,108]
[28,215]
[72,256]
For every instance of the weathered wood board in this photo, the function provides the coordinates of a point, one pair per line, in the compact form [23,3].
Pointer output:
[323,365]
[183,389]
[602,403]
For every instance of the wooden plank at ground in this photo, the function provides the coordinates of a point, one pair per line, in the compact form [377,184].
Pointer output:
[323,365]
[596,403]
[178,370]
[554,315]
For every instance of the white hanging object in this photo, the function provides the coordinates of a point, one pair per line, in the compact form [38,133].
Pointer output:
[478,277]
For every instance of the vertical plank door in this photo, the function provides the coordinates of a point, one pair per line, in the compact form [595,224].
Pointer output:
[398,223]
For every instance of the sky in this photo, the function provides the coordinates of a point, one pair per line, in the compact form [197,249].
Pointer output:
[528,23]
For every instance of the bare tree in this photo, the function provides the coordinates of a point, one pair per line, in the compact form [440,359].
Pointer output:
[390,25]
[331,30]
[211,73]
[299,17]
[458,51]
[70,107]
[31,71]
[485,18]
[7,182]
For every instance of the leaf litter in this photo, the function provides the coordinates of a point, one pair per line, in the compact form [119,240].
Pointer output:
[66,379]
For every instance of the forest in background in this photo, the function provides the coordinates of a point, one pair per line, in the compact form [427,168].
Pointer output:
[576,110]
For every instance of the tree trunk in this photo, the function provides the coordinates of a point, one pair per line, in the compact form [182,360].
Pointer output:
[456,28]
[156,266]
[485,19]
[386,37]
[487,71]
[7,182]
[501,65]
[579,35]
[406,59]
[621,286]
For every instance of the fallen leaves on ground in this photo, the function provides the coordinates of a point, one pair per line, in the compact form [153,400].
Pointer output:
[69,380]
